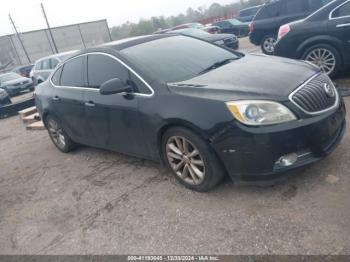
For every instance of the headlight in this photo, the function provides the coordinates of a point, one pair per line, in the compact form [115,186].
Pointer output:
[259,112]
[220,42]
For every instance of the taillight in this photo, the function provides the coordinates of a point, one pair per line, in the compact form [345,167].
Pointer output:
[284,29]
[251,27]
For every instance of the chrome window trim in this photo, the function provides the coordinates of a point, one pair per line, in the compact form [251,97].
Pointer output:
[97,90]
[335,18]
[336,104]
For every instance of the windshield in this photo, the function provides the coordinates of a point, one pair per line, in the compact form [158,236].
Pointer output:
[235,21]
[176,58]
[192,32]
[9,77]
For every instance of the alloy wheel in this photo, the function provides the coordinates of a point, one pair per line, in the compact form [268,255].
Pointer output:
[56,133]
[323,58]
[185,160]
[269,44]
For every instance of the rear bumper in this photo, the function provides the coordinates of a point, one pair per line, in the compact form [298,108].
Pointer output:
[286,49]
[252,154]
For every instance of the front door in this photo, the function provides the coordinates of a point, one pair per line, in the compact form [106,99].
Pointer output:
[67,99]
[112,121]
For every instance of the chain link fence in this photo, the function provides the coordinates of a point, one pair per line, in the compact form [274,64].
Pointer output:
[39,44]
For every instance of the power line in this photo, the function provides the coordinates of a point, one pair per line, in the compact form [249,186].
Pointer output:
[49,28]
[19,39]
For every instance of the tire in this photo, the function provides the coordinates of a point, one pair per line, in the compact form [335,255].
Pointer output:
[327,52]
[58,136]
[267,42]
[205,162]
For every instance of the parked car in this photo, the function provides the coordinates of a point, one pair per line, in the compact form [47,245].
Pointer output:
[228,40]
[182,26]
[264,28]
[45,66]
[247,14]
[233,26]
[14,84]
[4,98]
[323,38]
[23,70]
[203,110]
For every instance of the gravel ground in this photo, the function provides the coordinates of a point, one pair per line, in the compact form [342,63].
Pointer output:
[99,202]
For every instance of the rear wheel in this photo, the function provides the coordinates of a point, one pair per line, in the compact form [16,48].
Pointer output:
[268,44]
[191,160]
[324,56]
[58,136]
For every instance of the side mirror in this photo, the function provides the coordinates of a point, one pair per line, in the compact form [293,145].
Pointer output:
[114,86]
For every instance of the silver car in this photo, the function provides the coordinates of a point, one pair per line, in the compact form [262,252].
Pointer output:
[14,84]
[45,66]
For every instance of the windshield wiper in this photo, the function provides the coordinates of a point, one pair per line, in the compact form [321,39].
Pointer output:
[217,65]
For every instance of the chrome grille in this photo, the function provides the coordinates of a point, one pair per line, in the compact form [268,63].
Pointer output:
[316,96]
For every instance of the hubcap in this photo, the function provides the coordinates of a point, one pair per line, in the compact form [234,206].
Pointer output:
[323,58]
[185,160]
[269,44]
[56,133]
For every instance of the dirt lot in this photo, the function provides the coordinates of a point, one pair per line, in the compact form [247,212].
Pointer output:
[98,202]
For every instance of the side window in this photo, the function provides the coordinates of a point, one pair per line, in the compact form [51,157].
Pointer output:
[46,65]
[102,68]
[344,10]
[73,73]
[38,66]
[294,7]
[54,63]
[139,86]
[56,77]
[269,11]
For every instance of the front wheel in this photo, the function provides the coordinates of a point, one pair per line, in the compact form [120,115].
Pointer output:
[58,136]
[324,56]
[268,44]
[191,160]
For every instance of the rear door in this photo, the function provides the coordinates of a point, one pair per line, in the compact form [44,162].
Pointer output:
[339,27]
[67,101]
[112,121]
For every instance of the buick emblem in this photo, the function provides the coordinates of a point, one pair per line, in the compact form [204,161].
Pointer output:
[329,90]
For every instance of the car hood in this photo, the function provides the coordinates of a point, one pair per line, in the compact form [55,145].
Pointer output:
[16,81]
[251,77]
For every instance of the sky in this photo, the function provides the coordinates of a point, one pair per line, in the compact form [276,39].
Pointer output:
[27,14]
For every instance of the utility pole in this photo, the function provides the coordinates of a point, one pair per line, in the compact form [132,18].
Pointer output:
[19,39]
[49,28]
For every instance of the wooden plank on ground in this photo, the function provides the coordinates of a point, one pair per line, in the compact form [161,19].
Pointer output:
[31,118]
[27,111]
[39,125]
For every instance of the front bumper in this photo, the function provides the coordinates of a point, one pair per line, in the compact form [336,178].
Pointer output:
[251,154]
[18,89]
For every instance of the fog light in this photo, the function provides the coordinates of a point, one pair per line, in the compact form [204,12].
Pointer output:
[288,160]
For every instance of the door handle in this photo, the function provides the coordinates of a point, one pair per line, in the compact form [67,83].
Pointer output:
[56,98]
[343,25]
[89,104]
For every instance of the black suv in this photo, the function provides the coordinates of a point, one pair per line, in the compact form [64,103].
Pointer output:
[264,27]
[322,39]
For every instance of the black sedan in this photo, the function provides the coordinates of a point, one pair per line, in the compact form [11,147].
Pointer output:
[228,40]
[202,110]
[322,39]
[14,84]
